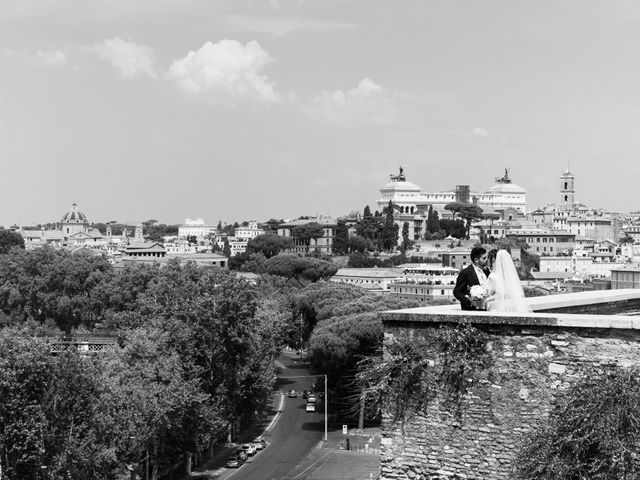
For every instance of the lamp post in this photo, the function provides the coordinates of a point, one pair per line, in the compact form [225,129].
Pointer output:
[300,336]
[326,401]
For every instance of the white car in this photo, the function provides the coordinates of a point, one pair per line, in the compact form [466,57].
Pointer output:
[311,407]
[250,448]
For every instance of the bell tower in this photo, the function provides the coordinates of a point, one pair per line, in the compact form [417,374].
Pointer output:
[567,190]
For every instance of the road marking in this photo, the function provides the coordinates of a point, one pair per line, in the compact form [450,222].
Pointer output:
[321,458]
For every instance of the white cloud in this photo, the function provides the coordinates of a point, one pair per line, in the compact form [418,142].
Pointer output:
[128,57]
[368,102]
[226,68]
[479,132]
[51,58]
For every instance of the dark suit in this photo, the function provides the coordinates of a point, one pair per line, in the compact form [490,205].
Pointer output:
[467,278]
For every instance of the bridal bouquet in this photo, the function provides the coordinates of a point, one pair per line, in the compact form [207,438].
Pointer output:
[478,296]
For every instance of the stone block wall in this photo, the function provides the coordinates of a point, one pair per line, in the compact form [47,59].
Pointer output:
[531,364]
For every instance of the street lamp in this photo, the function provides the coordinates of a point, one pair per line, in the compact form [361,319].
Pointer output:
[326,400]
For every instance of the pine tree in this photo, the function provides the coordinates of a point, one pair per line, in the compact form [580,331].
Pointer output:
[389,236]
[433,220]
[226,249]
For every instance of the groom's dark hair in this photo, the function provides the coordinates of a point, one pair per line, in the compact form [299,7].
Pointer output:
[477,252]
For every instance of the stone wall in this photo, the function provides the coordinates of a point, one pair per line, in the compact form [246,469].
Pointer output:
[532,360]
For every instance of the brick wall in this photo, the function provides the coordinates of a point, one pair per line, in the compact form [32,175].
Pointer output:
[530,366]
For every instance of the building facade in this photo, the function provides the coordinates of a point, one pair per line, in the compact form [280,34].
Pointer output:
[409,198]
[322,245]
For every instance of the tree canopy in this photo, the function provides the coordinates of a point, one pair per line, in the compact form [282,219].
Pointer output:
[268,244]
[9,239]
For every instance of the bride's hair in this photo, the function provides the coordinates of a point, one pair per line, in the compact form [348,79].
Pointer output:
[491,256]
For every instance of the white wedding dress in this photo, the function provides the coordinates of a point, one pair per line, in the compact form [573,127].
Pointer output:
[505,284]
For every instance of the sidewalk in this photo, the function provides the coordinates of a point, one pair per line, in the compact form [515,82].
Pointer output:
[213,466]
[366,441]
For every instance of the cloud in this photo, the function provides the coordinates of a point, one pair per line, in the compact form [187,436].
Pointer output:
[225,69]
[367,102]
[128,57]
[53,58]
[479,132]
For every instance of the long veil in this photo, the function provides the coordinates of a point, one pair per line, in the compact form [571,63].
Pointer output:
[509,296]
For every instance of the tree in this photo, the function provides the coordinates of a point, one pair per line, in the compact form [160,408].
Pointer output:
[271,225]
[307,232]
[433,221]
[454,207]
[406,241]
[358,244]
[369,228]
[248,262]
[366,212]
[341,238]
[454,228]
[226,249]
[470,213]
[300,268]
[25,374]
[9,239]
[268,244]
[593,431]
[360,260]
[389,237]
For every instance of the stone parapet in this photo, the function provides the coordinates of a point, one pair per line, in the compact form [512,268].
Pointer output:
[534,358]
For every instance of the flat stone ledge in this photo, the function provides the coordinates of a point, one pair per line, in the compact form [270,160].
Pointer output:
[453,314]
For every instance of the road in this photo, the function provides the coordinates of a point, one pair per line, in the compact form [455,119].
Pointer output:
[293,437]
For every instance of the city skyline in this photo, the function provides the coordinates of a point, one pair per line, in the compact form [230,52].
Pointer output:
[231,112]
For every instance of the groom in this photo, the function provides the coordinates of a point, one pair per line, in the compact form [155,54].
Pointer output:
[474,274]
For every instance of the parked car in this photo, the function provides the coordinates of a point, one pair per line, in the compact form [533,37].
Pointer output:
[242,454]
[305,393]
[292,394]
[249,448]
[260,444]
[311,407]
[234,462]
[311,398]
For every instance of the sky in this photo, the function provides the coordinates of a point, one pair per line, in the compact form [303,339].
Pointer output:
[229,110]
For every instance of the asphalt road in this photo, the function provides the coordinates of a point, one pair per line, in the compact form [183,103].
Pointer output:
[294,436]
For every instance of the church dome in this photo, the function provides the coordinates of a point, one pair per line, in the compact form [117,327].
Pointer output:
[400,186]
[507,188]
[74,215]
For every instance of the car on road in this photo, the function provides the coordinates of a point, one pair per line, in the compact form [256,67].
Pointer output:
[311,407]
[260,444]
[292,394]
[242,454]
[234,462]
[305,393]
[311,398]
[249,448]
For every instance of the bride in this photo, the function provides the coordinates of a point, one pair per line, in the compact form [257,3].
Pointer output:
[507,294]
